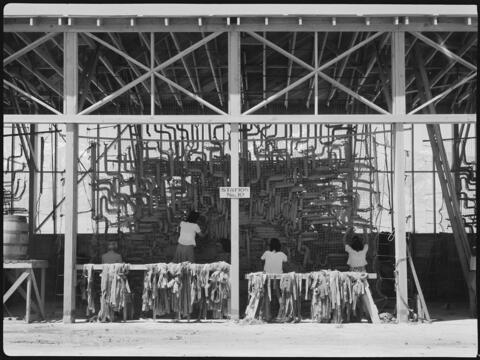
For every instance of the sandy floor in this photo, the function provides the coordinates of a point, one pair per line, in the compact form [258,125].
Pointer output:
[455,338]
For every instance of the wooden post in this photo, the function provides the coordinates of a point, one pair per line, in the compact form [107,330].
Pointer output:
[234,108]
[456,161]
[70,88]
[399,108]
[315,79]
[32,187]
[42,288]
[29,297]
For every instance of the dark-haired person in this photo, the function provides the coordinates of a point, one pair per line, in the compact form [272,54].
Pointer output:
[186,241]
[111,256]
[274,258]
[357,253]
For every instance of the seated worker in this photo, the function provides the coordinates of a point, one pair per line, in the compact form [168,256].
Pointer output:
[357,253]
[111,256]
[274,258]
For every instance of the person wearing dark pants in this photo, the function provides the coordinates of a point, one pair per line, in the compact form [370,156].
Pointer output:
[189,229]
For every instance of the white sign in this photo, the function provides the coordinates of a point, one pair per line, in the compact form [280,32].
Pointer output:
[234,192]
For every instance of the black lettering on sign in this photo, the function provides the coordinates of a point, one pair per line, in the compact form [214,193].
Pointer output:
[234,192]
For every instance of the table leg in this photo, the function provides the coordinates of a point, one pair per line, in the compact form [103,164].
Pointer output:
[37,293]
[42,289]
[229,310]
[29,296]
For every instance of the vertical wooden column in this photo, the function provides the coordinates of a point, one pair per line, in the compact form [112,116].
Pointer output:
[70,90]
[32,186]
[399,108]
[234,108]
[152,78]
[315,79]
[456,161]
[28,299]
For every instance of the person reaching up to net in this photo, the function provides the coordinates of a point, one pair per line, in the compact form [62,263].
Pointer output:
[186,241]
[357,253]
[274,261]
[274,258]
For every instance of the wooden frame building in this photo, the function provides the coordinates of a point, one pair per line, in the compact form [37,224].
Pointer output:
[391,23]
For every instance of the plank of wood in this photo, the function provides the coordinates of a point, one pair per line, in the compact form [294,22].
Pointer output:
[15,285]
[370,276]
[417,285]
[42,288]
[25,264]
[70,107]
[37,294]
[29,298]
[367,299]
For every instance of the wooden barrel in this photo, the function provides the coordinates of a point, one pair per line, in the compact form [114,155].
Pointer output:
[15,237]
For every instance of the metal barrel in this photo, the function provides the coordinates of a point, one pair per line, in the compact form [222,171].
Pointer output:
[15,237]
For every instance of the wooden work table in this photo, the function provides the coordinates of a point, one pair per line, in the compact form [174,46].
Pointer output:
[370,276]
[132,267]
[366,298]
[28,267]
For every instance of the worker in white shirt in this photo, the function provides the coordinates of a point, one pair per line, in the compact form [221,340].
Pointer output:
[357,254]
[189,229]
[274,258]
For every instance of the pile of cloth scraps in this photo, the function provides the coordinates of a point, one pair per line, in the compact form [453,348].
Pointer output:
[289,301]
[256,282]
[334,295]
[86,286]
[177,287]
[155,289]
[321,306]
[219,293]
[114,290]
[199,288]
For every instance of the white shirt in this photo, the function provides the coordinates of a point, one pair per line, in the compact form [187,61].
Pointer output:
[188,232]
[274,261]
[356,258]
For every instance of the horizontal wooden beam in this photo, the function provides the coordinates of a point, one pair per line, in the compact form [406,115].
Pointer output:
[131,267]
[243,119]
[211,24]
[25,264]
[370,276]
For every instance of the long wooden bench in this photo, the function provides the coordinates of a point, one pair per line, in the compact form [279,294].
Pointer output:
[366,298]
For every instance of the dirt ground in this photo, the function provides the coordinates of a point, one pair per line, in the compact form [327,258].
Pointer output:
[451,338]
